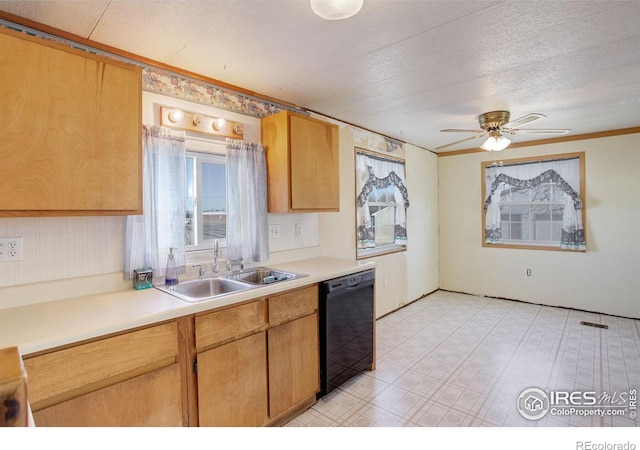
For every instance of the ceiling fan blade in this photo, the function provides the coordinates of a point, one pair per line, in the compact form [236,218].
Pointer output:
[460,141]
[523,120]
[455,130]
[537,131]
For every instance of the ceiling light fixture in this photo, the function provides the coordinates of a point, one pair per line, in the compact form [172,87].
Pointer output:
[495,142]
[336,9]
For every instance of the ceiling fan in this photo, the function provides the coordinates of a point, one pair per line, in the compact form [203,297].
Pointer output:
[495,124]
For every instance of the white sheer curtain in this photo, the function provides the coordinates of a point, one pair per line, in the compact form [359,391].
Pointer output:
[162,224]
[247,224]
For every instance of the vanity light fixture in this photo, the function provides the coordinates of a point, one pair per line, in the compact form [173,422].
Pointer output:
[336,9]
[191,121]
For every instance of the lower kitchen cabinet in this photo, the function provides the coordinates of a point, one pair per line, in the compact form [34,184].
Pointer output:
[251,364]
[294,367]
[130,379]
[232,383]
[231,347]
[293,364]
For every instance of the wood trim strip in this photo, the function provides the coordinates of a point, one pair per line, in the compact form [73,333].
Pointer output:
[577,137]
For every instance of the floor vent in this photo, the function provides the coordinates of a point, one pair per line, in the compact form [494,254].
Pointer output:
[596,325]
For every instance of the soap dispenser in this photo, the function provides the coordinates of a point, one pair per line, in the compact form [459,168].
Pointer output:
[171,276]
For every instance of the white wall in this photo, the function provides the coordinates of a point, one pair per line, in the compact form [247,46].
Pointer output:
[401,277]
[604,279]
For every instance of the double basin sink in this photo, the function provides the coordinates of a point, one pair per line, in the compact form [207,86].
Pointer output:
[210,287]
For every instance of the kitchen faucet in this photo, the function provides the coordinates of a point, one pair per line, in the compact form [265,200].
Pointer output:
[235,261]
[216,251]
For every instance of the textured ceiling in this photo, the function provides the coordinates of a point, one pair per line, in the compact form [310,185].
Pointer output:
[406,69]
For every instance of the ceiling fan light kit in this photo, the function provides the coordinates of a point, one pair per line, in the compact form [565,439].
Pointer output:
[494,124]
[495,143]
[336,9]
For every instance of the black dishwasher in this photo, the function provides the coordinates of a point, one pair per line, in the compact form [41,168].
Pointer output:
[346,328]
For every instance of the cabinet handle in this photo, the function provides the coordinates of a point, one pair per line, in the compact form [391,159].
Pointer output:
[195,366]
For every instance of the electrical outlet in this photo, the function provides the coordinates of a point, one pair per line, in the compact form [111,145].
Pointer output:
[299,230]
[274,231]
[11,249]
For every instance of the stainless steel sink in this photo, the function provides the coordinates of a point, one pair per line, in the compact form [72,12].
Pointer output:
[205,288]
[263,275]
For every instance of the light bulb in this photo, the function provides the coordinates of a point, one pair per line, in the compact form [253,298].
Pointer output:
[175,115]
[218,124]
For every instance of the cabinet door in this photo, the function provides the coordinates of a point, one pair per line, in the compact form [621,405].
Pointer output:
[149,400]
[293,363]
[71,130]
[232,383]
[314,165]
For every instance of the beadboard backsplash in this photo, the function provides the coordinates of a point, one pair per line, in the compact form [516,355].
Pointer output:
[63,247]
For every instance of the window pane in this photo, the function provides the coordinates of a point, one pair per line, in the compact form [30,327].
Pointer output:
[556,224]
[190,204]
[214,201]
[519,222]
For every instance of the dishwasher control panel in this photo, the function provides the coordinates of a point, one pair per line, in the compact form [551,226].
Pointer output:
[350,281]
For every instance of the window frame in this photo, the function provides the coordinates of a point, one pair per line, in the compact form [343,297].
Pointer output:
[201,157]
[383,249]
[528,245]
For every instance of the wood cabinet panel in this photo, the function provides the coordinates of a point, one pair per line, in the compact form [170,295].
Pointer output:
[293,304]
[302,163]
[228,324]
[152,399]
[293,364]
[315,180]
[232,383]
[64,374]
[71,130]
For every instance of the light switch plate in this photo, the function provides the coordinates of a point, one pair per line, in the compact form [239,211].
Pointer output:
[11,249]
[274,231]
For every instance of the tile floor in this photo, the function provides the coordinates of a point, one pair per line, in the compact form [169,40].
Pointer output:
[459,360]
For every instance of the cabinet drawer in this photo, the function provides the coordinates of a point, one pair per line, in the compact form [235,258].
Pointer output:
[294,304]
[229,324]
[63,374]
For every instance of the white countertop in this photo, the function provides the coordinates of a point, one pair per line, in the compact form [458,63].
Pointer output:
[47,325]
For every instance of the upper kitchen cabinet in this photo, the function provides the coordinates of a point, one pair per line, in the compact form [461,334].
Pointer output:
[302,163]
[70,134]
